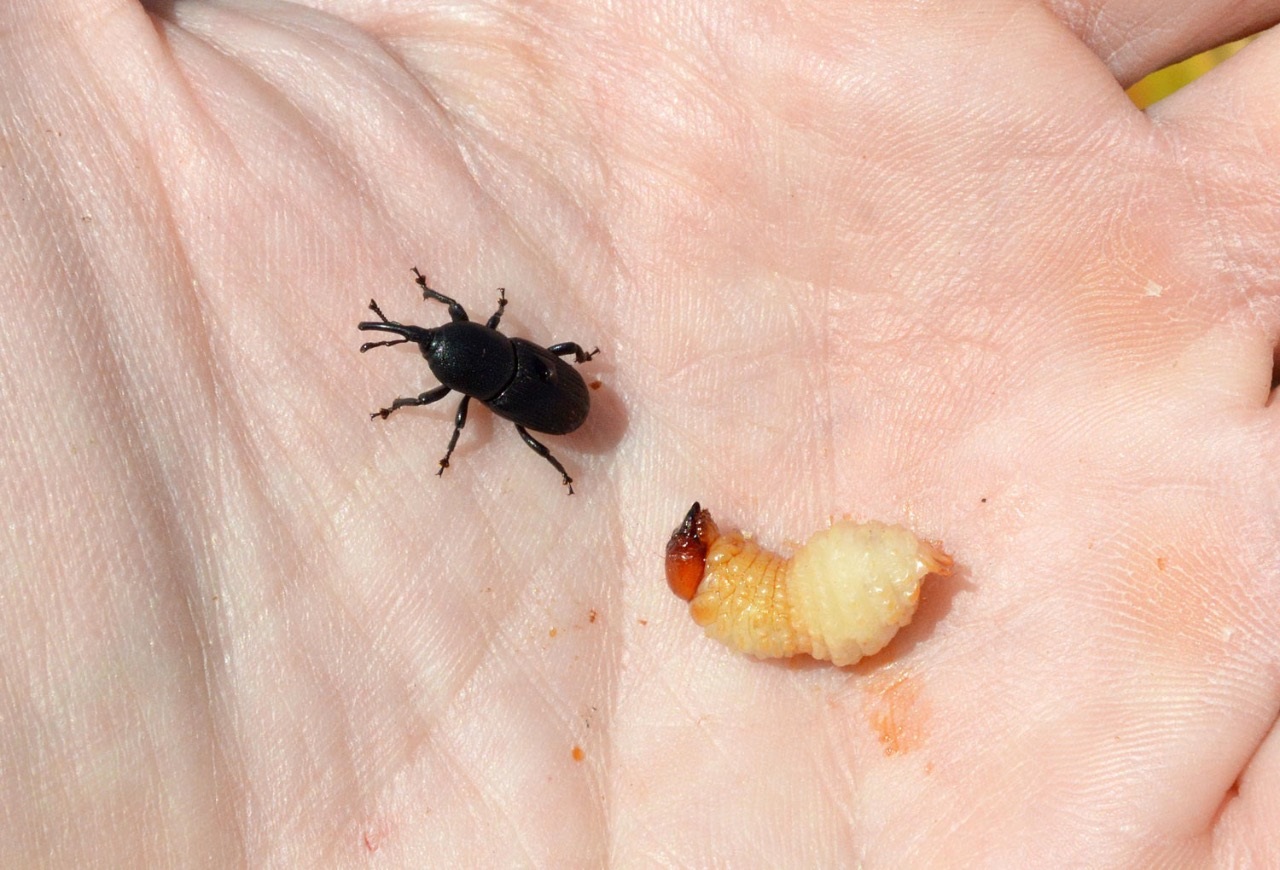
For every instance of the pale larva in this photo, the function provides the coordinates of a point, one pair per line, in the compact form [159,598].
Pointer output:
[842,596]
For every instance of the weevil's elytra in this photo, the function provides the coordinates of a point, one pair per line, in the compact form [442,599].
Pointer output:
[842,596]
[526,383]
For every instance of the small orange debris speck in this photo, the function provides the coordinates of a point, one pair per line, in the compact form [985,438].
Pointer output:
[578,754]
[553,632]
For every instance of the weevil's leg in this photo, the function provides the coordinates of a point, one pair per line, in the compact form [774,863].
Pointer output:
[373,306]
[497,315]
[458,422]
[456,311]
[565,348]
[424,399]
[541,449]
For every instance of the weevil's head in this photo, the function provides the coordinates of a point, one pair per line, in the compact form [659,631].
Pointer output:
[687,551]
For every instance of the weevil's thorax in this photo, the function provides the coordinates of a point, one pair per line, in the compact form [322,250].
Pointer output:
[470,358]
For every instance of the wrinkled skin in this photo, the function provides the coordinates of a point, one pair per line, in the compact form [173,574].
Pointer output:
[920,262]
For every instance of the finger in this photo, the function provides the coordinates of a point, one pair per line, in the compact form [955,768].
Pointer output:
[1247,822]
[1237,100]
[1225,129]
[1136,37]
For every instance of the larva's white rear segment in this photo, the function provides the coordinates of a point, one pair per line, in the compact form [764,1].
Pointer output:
[854,585]
[844,594]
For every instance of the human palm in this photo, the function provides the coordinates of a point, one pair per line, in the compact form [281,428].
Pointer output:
[916,262]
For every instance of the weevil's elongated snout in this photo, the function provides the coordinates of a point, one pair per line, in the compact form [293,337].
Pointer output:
[410,332]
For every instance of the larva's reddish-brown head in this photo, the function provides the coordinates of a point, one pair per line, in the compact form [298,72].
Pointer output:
[687,551]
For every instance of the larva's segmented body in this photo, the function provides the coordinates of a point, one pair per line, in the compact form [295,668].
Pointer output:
[842,596]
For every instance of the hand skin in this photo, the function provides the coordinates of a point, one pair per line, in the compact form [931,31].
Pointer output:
[919,262]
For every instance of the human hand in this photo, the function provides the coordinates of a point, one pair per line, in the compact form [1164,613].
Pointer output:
[922,263]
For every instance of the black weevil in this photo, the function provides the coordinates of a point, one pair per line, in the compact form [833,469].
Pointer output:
[517,379]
